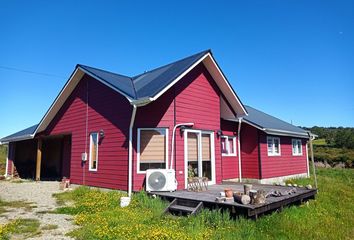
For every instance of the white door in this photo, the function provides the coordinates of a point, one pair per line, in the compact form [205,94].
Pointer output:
[199,155]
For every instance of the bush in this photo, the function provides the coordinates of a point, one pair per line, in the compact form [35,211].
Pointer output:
[333,155]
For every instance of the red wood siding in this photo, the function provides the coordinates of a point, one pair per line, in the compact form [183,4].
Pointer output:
[157,114]
[229,164]
[198,101]
[195,98]
[285,164]
[108,111]
[249,151]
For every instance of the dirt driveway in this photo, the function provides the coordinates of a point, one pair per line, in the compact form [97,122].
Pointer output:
[42,202]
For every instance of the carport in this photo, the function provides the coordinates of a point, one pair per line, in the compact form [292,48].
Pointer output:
[40,158]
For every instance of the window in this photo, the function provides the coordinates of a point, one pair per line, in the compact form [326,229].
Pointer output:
[297,147]
[152,148]
[273,144]
[93,151]
[228,146]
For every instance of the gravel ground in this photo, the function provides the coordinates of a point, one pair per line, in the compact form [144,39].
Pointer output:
[40,195]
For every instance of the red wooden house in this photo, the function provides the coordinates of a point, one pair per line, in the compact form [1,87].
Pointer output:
[184,115]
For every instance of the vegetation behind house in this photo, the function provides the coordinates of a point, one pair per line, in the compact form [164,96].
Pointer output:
[3,153]
[334,145]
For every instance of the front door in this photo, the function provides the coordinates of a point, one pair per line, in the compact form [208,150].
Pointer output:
[199,155]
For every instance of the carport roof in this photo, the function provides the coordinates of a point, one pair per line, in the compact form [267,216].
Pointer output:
[24,134]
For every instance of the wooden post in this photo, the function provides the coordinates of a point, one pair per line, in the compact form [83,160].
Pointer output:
[313,163]
[39,160]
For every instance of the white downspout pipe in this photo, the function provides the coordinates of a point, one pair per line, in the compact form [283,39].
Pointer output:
[307,159]
[173,139]
[239,149]
[130,161]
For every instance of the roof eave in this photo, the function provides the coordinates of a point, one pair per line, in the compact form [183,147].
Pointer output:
[279,132]
[16,139]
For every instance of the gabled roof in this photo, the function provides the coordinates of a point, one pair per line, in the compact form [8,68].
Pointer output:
[122,83]
[27,133]
[272,125]
[150,83]
[148,86]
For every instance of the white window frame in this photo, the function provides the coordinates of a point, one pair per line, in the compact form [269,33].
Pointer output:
[298,141]
[91,145]
[228,146]
[212,152]
[138,146]
[273,153]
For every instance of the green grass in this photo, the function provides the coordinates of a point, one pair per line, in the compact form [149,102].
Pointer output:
[330,216]
[3,151]
[320,142]
[6,206]
[20,229]
[49,227]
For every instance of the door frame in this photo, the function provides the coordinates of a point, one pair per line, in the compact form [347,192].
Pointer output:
[212,153]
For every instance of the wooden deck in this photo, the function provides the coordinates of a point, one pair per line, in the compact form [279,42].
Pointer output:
[272,203]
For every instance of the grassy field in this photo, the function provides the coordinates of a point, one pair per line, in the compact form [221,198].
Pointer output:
[330,216]
[3,151]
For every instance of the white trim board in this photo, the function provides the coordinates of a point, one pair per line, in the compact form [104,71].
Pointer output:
[7,161]
[212,152]
[138,147]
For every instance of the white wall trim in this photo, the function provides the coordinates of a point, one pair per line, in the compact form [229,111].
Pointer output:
[138,147]
[7,161]
[274,180]
[105,83]
[90,157]
[282,178]
[179,77]
[130,152]
[307,161]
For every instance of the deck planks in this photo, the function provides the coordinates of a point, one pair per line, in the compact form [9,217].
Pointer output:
[272,203]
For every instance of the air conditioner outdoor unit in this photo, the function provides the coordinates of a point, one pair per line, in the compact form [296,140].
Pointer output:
[162,180]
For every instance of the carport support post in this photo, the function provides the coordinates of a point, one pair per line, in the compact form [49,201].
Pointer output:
[39,159]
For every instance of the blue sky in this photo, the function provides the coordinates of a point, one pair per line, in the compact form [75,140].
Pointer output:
[290,58]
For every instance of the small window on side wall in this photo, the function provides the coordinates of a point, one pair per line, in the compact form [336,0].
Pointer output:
[273,146]
[228,146]
[152,148]
[93,151]
[297,147]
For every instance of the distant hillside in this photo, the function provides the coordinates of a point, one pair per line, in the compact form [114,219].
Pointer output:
[339,137]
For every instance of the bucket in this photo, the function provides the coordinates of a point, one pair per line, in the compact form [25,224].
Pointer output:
[124,201]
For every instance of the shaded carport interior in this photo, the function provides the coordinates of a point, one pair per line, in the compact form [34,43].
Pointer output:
[53,153]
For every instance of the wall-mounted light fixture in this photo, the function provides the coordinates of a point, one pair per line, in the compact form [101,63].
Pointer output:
[219,133]
[101,133]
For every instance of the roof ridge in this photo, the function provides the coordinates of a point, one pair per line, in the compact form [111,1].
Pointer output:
[165,65]
[105,71]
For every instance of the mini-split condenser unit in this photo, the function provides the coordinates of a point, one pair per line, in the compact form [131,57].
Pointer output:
[162,180]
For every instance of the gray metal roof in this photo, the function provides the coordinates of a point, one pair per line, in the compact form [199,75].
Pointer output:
[272,125]
[149,83]
[21,135]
